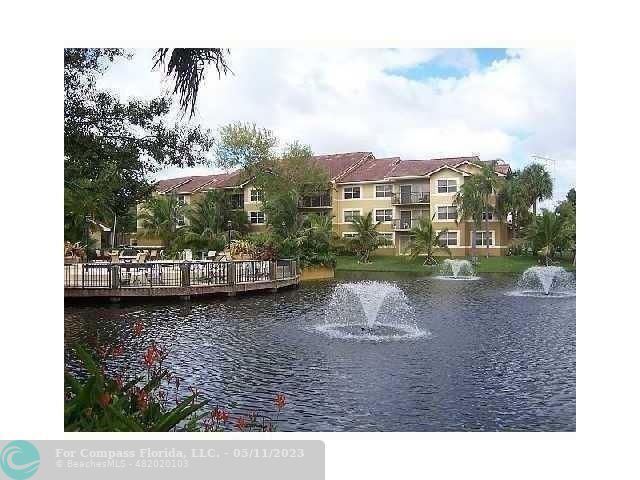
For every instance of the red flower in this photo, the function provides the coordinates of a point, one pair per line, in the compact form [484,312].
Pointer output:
[221,415]
[117,351]
[104,399]
[280,401]
[142,399]
[138,327]
[241,424]
[151,356]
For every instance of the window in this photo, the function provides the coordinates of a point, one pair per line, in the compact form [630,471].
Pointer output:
[448,239]
[384,215]
[447,186]
[384,191]
[181,200]
[388,236]
[237,201]
[257,195]
[349,215]
[349,235]
[256,218]
[351,192]
[448,212]
[481,239]
[489,214]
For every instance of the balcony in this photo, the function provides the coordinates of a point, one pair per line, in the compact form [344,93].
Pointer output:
[400,224]
[410,198]
[320,200]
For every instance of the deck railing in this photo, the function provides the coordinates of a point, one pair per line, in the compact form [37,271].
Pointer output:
[408,198]
[318,200]
[176,274]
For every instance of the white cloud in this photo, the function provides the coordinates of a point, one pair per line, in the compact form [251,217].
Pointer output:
[345,100]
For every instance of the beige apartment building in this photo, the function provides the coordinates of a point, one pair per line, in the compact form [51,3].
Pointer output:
[397,192]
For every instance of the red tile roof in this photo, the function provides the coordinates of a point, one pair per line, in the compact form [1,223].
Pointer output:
[342,163]
[373,169]
[342,167]
[199,182]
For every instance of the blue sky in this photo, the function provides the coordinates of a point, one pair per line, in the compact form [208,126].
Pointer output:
[447,65]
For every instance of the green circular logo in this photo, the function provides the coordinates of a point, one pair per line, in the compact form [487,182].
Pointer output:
[19,460]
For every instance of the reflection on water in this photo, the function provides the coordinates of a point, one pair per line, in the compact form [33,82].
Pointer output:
[489,362]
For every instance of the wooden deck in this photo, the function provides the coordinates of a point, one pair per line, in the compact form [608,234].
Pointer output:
[177,279]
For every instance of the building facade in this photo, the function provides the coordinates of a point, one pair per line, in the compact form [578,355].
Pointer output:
[397,193]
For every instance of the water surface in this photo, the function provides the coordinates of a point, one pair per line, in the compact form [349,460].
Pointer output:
[490,361]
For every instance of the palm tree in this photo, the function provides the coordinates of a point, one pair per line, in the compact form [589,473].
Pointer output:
[424,240]
[208,219]
[548,234]
[160,218]
[489,184]
[470,203]
[82,199]
[511,199]
[537,184]
[367,238]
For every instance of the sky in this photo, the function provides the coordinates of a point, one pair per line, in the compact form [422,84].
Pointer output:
[413,103]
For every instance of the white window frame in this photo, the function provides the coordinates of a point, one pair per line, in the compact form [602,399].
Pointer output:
[387,192]
[447,185]
[257,222]
[256,195]
[492,238]
[447,218]
[351,189]
[344,216]
[349,234]
[457,233]
[375,214]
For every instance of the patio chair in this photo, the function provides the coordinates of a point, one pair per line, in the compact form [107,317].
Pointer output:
[153,255]
[115,257]
[188,254]
[211,255]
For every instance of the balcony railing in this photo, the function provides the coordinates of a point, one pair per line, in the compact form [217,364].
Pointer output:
[409,198]
[321,200]
[404,224]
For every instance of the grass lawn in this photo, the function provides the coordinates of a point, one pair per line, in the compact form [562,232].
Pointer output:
[406,264]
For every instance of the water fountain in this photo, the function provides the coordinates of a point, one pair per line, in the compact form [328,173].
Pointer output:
[370,310]
[455,269]
[546,282]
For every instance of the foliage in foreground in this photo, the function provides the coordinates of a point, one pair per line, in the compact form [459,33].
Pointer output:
[148,401]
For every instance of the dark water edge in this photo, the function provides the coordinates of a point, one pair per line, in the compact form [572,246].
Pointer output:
[492,362]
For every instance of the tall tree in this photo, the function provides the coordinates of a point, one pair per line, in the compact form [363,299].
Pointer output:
[537,184]
[115,145]
[424,240]
[283,176]
[489,184]
[512,199]
[470,204]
